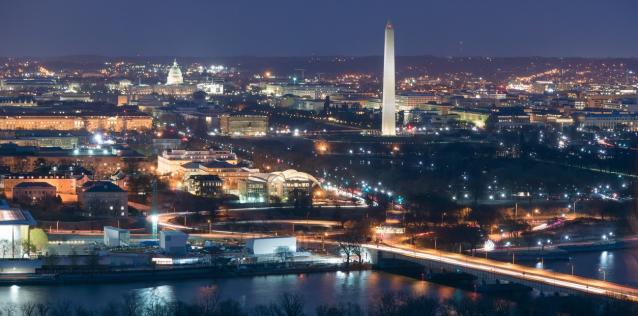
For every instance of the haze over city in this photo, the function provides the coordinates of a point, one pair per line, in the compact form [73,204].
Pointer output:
[304,28]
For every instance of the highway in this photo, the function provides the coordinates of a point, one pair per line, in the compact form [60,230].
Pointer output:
[570,282]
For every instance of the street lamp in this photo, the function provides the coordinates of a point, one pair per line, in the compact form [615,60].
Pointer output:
[210,230]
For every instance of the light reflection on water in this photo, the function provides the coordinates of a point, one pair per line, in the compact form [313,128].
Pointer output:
[362,288]
[618,266]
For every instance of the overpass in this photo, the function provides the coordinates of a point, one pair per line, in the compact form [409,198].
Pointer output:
[491,270]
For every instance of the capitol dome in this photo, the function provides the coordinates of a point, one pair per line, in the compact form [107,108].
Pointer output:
[174,75]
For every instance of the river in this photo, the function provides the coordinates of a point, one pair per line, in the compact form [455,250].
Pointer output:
[361,287]
[618,266]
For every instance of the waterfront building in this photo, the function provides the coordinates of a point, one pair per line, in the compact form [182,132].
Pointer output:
[271,245]
[116,237]
[173,242]
[388,110]
[14,233]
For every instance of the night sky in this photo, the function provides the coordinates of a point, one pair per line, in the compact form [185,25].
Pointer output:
[596,28]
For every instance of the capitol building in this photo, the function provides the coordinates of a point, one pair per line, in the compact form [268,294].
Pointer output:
[174,75]
[174,86]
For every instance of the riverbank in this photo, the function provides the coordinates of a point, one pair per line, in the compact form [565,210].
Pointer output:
[167,274]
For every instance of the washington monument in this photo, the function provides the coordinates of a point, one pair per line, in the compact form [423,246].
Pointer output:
[388,109]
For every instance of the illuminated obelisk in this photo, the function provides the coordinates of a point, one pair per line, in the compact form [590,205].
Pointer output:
[388,108]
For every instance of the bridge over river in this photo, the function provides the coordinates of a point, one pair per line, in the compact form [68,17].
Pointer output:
[491,270]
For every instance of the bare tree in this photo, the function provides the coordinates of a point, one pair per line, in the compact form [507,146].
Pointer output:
[283,253]
[131,304]
[9,309]
[287,305]
[4,247]
[43,309]
[28,309]
[63,308]
[208,301]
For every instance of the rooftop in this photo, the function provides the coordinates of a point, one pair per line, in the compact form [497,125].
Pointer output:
[101,186]
[218,164]
[33,185]
[14,216]
[205,177]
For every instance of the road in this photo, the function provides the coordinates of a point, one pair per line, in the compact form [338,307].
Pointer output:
[550,278]
[497,268]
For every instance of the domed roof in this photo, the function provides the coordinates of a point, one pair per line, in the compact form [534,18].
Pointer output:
[174,75]
[292,175]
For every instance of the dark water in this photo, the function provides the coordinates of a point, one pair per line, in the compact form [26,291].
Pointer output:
[317,289]
[619,266]
[363,288]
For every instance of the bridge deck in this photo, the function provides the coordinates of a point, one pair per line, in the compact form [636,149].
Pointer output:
[513,272]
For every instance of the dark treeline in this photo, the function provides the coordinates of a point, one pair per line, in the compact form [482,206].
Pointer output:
[208,303]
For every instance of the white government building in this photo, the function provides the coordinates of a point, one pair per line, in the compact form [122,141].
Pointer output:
[174,75]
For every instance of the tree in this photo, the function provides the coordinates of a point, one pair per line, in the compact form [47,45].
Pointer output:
[459,235]
[283,253]
[4,247]
[43,309]
[485,215]
[229,308]
[288,305]
[208,300]
[350,245]
[38,238]
[28,309]
[132,304]
[348,309]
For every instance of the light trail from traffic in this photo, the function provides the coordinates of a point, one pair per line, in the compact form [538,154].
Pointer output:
[550,278]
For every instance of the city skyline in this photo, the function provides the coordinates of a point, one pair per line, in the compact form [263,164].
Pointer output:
[306,167]
[452,28]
